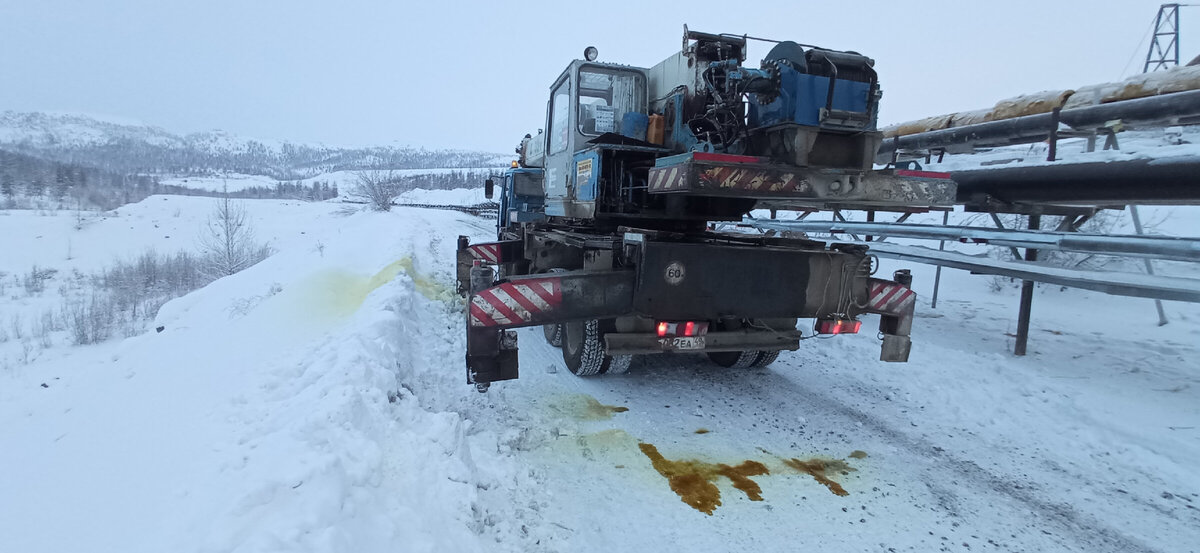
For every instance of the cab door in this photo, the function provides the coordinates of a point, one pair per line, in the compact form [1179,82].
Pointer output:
[559,146]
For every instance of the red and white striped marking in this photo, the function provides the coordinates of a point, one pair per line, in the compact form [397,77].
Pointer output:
[487,252]
[656,178]
[515,303]
[663,179]
[889,297]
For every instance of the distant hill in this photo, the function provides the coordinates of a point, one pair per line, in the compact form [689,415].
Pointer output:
[132,148]
[70,161]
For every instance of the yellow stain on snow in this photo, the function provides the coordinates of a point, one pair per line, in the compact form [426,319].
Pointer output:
[431,289]
[335,293]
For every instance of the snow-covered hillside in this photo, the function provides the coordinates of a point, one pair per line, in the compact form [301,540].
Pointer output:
[344,180]
[127,146]
[317,402]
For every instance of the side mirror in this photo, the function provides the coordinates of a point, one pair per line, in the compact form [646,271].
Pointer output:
[488,188]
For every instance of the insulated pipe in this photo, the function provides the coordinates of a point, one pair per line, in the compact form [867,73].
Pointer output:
[1138,181]
[1170,108]
[1150,247]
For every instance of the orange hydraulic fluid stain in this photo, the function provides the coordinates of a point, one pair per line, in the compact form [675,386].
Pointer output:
[820,469]
[693,480]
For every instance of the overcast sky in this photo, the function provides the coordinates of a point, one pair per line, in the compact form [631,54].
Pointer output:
[440,74]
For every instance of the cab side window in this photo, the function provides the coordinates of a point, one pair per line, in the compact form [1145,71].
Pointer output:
[560,108]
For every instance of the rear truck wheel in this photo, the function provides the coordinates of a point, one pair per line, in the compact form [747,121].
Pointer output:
[583,350]
[734,359]
[765,358]
[554,334]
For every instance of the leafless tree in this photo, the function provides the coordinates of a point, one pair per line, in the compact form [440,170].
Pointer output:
[227,244]
[378,188]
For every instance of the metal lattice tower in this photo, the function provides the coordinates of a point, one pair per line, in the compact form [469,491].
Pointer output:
[1164,47]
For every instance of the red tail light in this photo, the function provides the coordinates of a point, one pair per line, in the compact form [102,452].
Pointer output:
[838,326]
[687,328]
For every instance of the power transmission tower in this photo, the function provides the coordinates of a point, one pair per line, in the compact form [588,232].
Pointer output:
[1166,28]
[1164,47]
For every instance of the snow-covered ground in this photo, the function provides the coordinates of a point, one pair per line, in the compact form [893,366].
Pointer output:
[457,196]
[233,182]
[317,402]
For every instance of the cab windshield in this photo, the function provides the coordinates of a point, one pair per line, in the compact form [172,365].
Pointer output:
[605,96]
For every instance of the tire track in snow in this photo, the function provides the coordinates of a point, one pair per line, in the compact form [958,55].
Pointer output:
[939,472]
[1086,531]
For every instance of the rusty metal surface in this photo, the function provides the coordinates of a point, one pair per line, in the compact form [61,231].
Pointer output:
[765,181]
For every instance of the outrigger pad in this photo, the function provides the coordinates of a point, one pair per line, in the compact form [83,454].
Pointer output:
[501,365]
[895,348]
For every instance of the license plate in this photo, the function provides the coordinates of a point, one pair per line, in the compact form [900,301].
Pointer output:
[683,342]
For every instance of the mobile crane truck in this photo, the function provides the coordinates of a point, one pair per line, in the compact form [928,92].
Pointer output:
[604,234]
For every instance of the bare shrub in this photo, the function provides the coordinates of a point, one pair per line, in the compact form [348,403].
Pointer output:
[35,279]
[1103,222]
[17,327]
[90,321]
[127,294]
[137,288]
[26,352]
[42,328]
[242,306]
[50,321]
[378,188]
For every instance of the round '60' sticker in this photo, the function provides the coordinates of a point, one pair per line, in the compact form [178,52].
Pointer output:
[674,273]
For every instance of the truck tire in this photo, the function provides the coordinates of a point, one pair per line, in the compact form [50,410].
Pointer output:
[765,358]
[554,334]
[734,359]
[583,350]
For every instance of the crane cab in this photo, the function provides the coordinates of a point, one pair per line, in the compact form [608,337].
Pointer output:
[587,102]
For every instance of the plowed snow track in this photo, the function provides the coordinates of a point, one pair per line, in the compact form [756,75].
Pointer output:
[967,447]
